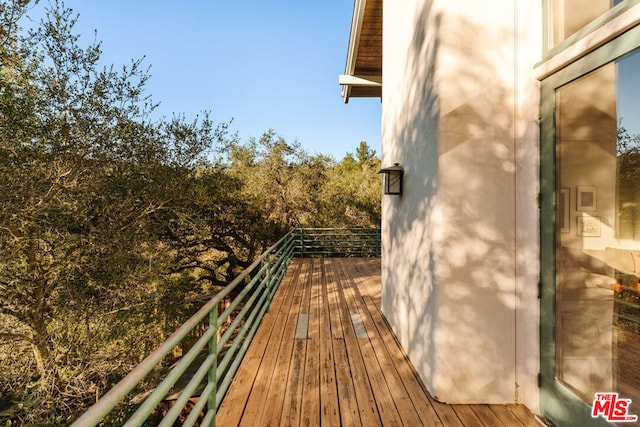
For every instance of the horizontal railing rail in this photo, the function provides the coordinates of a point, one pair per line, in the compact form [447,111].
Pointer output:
[338,242]
[211,363]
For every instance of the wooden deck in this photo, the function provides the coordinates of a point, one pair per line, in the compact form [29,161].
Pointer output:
[325,355]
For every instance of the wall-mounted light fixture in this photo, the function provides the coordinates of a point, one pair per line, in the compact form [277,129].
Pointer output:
[392,179]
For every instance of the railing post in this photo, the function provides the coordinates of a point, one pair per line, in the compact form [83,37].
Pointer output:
[301,244]
[213,370]
[378,242]
[268,287]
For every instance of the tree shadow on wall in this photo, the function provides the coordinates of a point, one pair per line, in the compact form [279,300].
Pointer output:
[456,139]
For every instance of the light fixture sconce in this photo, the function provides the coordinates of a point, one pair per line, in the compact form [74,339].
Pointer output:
[392,179]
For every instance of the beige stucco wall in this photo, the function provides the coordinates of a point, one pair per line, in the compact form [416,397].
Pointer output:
[460,246]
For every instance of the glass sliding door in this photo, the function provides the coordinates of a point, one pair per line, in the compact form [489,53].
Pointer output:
[590,237]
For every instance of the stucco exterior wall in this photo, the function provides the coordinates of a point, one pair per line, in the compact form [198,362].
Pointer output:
[460,246]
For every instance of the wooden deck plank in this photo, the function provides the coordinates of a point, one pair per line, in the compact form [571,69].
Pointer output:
[273,369]
[504,414]
[364,360]
[468,416]
[349,410]
[329,408]
[232,408]
[489,417]
[367,407]
[292,396]
[524,415]
[333,377]
[447,414]
[508,415]
[265,403]
[392,348]
[382,373]
[310,410]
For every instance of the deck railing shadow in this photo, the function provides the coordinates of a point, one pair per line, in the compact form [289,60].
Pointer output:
[226,324]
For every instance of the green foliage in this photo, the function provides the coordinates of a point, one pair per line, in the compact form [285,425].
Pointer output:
[113,224]
[353,192]
[87,179]
[295,189]
[279,178]
[628,187]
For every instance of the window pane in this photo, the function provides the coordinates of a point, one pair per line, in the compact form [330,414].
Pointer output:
[569,16]
[598,232]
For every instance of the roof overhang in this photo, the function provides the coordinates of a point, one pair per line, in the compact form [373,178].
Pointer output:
[363,71]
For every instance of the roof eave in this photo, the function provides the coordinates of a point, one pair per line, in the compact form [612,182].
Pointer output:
[354,43]
[362,77]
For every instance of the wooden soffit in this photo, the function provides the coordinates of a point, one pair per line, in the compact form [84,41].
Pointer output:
[363,71]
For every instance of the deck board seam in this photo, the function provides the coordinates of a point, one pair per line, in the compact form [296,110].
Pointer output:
[281,346]
[361,354]
[227,409]
[272,406]
[386,361]
[434,416]
[350,412]
[332,377]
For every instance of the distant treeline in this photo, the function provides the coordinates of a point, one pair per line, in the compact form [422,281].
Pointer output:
[111,221]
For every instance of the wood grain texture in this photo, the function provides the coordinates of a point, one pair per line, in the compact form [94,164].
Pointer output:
[336,376]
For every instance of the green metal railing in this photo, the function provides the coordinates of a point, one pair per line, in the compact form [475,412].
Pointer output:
[338,242]
[221,347]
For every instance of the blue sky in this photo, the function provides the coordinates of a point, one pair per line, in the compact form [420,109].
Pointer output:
[262,64]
